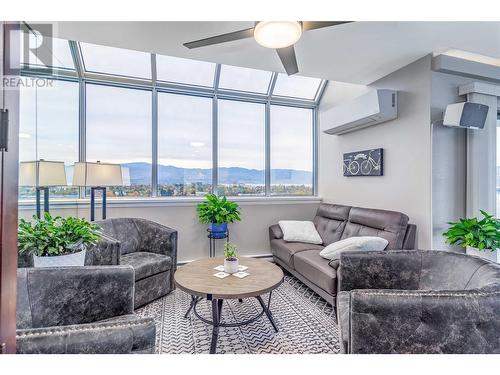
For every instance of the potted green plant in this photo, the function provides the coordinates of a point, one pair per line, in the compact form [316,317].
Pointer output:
[231,262]
[57,241]
[218,212]
[478,237]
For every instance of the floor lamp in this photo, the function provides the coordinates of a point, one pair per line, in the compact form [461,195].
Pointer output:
[97,176]
[41,175]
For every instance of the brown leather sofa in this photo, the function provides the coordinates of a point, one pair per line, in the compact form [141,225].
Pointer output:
[336,222]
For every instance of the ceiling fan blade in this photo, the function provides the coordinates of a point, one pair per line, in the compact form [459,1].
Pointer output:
[223,38]
[311,25]
[288,59]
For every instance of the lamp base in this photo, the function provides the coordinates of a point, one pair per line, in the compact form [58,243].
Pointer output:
[92,202]
[45,200]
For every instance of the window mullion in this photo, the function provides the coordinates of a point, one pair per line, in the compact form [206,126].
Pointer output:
[154,130]
[215,158]
[268,149]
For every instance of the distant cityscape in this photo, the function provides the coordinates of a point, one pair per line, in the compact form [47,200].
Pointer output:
[175,181]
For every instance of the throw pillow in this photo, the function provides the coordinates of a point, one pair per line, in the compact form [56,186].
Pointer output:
[300,231]
[364,243]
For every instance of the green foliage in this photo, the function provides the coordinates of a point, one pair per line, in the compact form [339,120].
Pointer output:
[230,250]
[52,236]
[481,234]
[218,210]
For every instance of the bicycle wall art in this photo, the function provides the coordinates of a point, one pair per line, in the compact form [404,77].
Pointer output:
[364,163]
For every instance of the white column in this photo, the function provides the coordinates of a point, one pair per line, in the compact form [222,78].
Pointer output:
[481,151]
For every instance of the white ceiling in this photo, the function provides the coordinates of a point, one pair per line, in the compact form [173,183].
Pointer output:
[359,52]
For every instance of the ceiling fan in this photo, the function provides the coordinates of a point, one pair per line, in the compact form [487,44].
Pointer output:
[279,35]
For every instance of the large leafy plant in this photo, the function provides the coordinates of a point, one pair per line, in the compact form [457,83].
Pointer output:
[218,210]
[50,236]
[481,234]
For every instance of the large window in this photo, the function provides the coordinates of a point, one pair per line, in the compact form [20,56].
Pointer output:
[241,151]
[119,131]
[170,127]
[184,145]
[291,151]
[48,129]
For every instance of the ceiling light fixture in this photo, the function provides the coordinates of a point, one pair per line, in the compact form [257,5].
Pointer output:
[277,34]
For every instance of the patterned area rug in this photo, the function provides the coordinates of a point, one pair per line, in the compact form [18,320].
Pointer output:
[305,321]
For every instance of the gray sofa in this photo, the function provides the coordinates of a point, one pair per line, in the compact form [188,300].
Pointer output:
[150,249]
[418,302]
[336,222]
[80,310]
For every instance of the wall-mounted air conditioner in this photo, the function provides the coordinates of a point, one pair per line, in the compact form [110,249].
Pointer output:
[372,108]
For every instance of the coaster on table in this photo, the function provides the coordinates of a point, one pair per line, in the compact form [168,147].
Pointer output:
[221,275]
[240,274]
[219,268]
[242,268]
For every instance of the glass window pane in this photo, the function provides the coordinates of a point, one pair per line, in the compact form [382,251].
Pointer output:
[244,79]
[59,50]
[184,145]
[119,131]
[291,150]
[192,72]
[241,153]
[296,86]
[116,61]
[48,129]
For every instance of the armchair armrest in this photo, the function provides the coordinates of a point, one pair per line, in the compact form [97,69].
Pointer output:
[105,252]
[275,232]
[379,270]
[73,295]
[399,321]
[126,334]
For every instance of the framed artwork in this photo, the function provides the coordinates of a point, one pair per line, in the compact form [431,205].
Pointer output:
[364,163]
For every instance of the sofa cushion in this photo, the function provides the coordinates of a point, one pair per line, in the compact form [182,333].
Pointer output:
[330,221]
[390,225]
[147,264]
[286,250]
[316,269]
[343,299]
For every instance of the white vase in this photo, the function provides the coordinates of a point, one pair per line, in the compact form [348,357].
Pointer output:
[231,266]
[486,253]
[68,260]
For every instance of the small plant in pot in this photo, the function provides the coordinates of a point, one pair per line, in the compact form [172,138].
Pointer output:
[231,263]
[218,212]
[478,237]
[57,241]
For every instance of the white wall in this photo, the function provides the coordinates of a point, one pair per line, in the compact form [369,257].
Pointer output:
[250,235]
[406,184]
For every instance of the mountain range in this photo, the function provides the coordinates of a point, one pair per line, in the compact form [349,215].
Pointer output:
[140,173]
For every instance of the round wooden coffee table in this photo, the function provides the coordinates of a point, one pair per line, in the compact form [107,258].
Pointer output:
[197,279]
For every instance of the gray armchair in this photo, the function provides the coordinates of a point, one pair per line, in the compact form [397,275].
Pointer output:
[151,249]
[80,310]
[418,302]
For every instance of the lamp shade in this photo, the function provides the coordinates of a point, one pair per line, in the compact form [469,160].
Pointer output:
[42,173]
[97,174]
